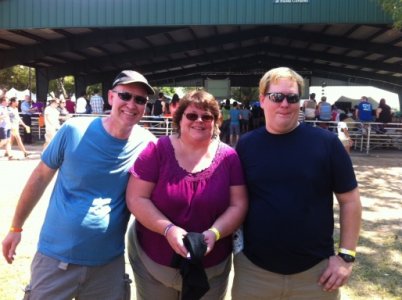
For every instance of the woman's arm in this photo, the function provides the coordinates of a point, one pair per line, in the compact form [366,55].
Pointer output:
[138,200]
[232,218]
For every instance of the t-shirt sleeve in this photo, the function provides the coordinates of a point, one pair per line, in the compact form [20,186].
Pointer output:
[146,166]
[236,170]
[53,155]
[344,178]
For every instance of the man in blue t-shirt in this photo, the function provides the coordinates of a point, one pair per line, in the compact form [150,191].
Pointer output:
[81,245]
[288,244]
[364,110]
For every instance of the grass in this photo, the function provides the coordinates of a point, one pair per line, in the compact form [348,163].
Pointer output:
[377,273]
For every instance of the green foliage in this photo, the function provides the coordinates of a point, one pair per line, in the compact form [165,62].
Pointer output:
[245,94]
[166,90]
[18,77]
[394,8]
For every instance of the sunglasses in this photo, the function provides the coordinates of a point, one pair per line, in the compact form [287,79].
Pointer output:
[195,117]
[126,96]
[279,97]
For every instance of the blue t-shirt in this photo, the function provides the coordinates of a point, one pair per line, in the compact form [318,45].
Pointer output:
[289,224]
[234,116]
[87,215]
[365,111]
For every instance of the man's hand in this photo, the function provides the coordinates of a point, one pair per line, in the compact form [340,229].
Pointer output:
[336,274]
[10,243]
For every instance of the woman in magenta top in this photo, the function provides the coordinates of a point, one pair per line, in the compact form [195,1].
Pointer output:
[187,182]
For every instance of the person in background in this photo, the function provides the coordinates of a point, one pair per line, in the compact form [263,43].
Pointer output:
[383,114]
[82,103]
[245,118]
[174,104]
[16,121]
[27,111]
[5,126]
[343,132]
[235,118]
[182,184]
[324,112]
[81,245]
[70,106]
[364,113]
[309,109]
[159,106]
[62,108]
[97,103]
[52,121]
[288,231]
[225,122]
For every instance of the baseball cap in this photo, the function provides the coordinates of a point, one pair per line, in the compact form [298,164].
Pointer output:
[129,76]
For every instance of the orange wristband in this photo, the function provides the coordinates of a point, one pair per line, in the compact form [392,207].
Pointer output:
[15,229]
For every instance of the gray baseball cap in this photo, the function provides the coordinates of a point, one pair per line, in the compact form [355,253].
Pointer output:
[129,76]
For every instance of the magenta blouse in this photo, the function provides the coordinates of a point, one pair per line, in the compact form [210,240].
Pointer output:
[192,201]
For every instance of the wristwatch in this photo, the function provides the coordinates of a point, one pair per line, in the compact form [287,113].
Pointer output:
[348,256]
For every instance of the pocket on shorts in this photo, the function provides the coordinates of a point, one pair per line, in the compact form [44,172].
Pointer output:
[27,292]
[127,287]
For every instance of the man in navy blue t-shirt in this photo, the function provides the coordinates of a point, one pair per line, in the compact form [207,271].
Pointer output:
[292,171]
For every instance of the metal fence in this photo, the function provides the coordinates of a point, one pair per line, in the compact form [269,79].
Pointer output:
[369,136]
[365,136]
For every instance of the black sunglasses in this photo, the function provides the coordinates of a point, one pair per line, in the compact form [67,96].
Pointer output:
[126,96]
[195,117]
[279,97]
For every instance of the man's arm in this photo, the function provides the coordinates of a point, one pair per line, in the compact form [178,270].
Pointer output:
[339,271]
[32,192]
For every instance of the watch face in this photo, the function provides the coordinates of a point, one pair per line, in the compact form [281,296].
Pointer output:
[346,257]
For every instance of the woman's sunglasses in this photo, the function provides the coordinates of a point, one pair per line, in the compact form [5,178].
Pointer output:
[126,96]
[195,117]
[279,97]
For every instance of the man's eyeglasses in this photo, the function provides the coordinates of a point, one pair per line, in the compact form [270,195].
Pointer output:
[126,96]
[279,97]
[195,117]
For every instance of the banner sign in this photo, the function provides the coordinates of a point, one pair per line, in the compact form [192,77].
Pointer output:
[290,1]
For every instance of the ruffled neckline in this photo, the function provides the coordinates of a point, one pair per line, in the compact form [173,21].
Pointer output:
[202,174]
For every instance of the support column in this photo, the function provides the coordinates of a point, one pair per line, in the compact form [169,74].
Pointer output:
[42,84]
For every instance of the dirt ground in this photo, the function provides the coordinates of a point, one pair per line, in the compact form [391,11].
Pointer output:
[379,175]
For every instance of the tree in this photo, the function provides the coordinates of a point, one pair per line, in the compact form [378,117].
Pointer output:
[18,77]
[394,8]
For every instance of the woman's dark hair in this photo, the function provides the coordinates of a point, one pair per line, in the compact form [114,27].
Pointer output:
[201,100]
[175,99]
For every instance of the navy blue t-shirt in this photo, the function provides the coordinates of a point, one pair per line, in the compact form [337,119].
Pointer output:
[291,179]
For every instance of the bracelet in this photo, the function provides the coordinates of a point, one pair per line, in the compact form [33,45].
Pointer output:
[15,229]
[217,233]
[348,252]
[167,228]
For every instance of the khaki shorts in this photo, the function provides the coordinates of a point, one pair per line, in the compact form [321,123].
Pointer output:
[252,282]
[53,279]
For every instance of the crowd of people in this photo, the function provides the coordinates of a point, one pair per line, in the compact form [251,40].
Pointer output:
[190,194]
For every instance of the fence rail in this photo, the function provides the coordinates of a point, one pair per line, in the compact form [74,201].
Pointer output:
[369,136]
[365,136]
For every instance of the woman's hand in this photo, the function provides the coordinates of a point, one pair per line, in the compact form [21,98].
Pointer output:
[210,239]
[175,239]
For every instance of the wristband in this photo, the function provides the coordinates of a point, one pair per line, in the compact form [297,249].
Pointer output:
[167,228]
[217,233]
[348,252]
[15,229]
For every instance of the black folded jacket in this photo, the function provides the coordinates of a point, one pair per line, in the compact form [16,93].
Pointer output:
[195,282]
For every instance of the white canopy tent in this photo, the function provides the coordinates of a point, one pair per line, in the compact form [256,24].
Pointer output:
[20,95]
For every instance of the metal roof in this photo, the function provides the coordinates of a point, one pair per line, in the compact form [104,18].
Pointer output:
[346,40]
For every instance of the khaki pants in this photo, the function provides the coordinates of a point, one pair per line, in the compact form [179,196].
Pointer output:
[252,282]
[155,281]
